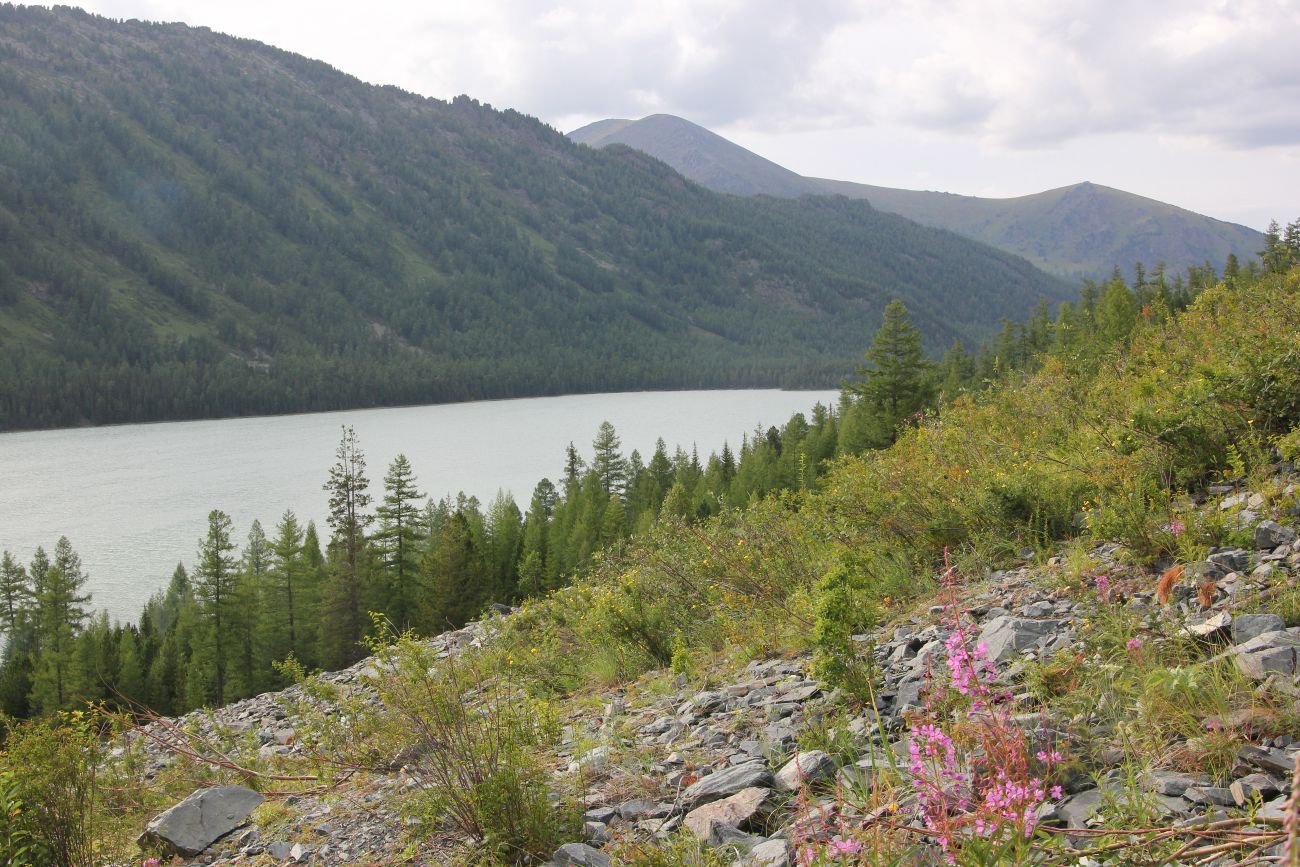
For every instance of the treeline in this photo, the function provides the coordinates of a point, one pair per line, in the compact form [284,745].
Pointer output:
[223,628]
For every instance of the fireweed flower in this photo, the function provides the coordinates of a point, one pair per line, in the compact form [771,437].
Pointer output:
[1103,587]
[1134,644]
[1176,527]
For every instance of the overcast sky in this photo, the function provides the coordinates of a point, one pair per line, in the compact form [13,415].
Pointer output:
[1188,101]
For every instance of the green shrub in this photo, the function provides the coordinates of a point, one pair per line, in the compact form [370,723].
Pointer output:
[52,766]
[17,846]
[473,743]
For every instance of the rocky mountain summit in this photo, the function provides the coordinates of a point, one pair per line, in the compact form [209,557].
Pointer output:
[758,762]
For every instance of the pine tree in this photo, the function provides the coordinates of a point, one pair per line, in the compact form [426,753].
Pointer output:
[348,500]
[287,594]
[57,677]
[609,463]
[16,598]
[214,586]
[895,386]
[398,543]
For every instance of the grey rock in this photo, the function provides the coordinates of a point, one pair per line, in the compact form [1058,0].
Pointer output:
[1229,560]
[804,768]
[1041,608]
[1076,810]
[727,781]
[279,850]
[1270,652]
[1173,783]
[737,811]
[579,855]
[1253,786]
[643,808]
[1274,809]
[770,853]
[1268,760]
[1007,636]
[1209,795]
[201,819]
[1270,534]
[604,815]
[1248,626]
[1203,626]
[595,832]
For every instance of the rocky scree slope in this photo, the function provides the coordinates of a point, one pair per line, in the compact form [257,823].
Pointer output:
[758,761]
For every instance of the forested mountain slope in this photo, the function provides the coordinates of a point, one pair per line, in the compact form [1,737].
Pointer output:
[1083,230]
[195,225]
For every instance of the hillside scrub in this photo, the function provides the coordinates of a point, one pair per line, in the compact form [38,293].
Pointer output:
[1113,446]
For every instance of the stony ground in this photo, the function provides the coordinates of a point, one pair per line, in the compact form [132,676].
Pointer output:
[726,753]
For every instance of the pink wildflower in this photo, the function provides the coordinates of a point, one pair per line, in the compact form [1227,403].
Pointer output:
[150,862]
[1103,587]
[1176,527]
[1134,645]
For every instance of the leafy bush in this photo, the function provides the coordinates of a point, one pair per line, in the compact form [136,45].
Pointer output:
[473,742]
[50,767]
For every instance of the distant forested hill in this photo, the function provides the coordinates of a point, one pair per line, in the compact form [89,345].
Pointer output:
[1083,230]
[193,225]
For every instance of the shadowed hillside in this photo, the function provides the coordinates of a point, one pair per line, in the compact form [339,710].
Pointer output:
[193,225]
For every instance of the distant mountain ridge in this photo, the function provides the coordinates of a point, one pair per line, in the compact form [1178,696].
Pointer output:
[194,225]
[1083,230]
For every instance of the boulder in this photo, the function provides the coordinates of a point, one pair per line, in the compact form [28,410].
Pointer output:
[1268,653]
[804,768]
[1007,637]
[727,781]
[201,819]
[771,853]
[1270,534]
[1076,810]
[579,855]
[1248,626]
[1253,786]
[736,811]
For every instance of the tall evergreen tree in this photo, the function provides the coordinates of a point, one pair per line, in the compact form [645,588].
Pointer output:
[288,593]
[895,386]
[348,499]
[609,463]
[57,677]
[398,542]
[214,586]
[16,598]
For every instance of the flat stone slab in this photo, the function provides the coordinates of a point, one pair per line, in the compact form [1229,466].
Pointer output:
[579,855]
[737,811]
[805,768]
[1007,637]
[727,781]
[201,819]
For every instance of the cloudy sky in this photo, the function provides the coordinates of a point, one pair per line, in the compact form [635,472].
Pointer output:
[1194,102]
